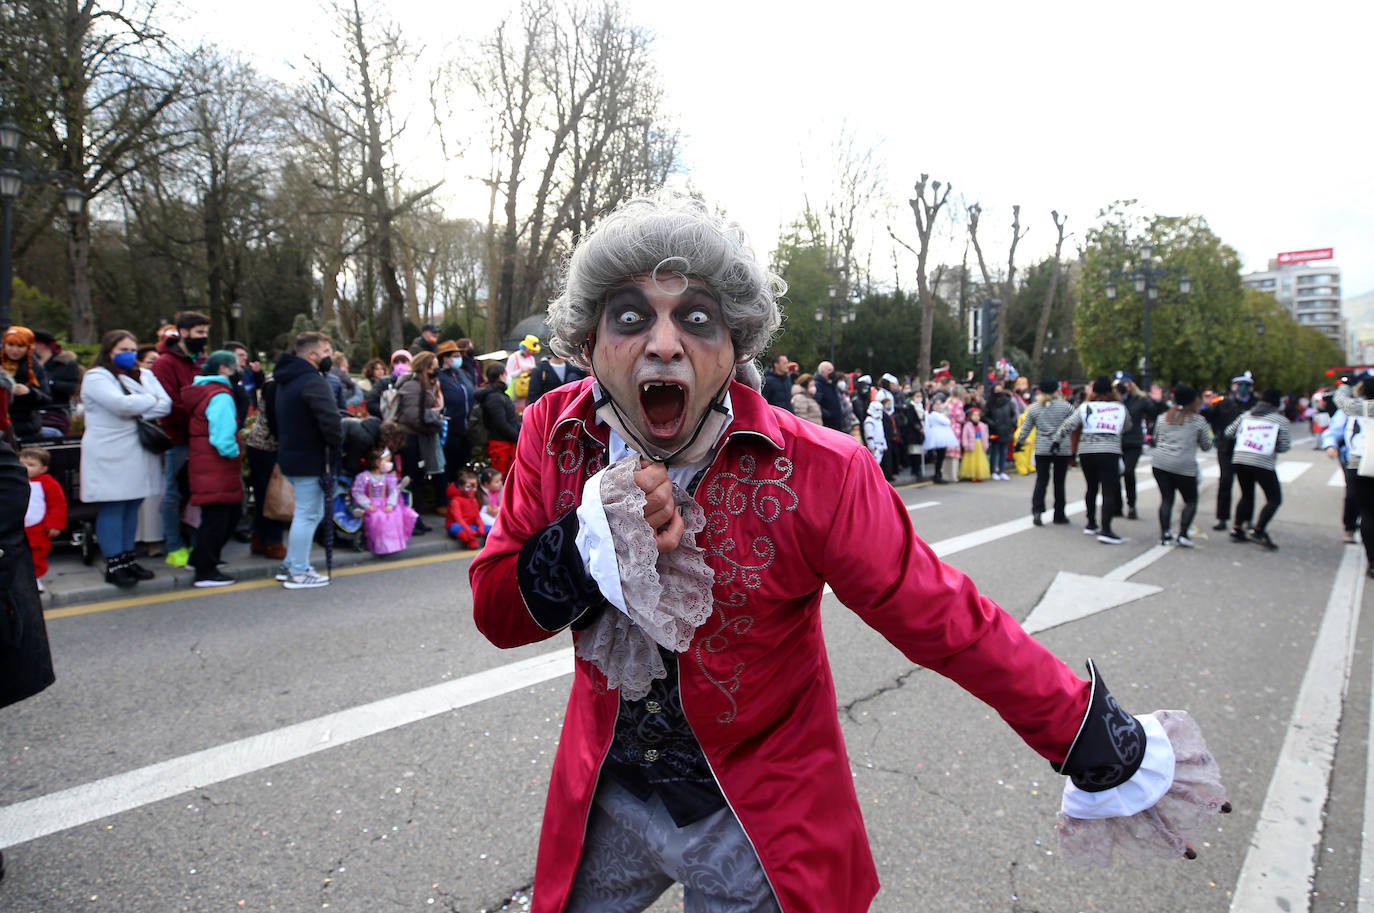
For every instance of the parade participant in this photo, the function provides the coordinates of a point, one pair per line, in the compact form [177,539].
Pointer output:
[1141,409]
[1178,438]
[46,517]
[1220,414]
[1052,458]
[215,464]
[1355,400]
[1260,435]
[387,519]
[875,436]
[973,465]
[1342,437]
[702,712]
[1103,420]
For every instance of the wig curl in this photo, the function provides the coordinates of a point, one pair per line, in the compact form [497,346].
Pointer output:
[661,235]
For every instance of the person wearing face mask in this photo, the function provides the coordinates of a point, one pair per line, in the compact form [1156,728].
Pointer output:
[804,403]
[669,516]
[309,437]
[1220,415]
[421,416]
[178,364]
[117,473]
[215,465]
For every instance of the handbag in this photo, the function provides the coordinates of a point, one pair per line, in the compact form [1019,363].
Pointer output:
[1366,460]
[150,434]
[279,501]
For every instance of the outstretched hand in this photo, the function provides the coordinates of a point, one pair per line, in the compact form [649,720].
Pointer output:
[660,509]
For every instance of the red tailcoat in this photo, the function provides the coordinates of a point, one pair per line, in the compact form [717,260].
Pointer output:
[756,684]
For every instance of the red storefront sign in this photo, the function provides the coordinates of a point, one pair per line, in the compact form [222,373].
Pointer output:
[1303,256]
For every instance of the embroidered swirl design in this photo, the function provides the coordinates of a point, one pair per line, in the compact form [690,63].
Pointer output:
[569,448]
[730,494]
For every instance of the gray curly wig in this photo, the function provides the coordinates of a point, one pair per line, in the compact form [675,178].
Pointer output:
[666,235]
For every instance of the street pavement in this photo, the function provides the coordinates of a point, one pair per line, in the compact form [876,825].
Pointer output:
[362,747]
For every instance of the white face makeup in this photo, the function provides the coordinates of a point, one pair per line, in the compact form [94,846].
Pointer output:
[662,351]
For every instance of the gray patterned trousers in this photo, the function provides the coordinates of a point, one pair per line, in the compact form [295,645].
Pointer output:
[634,852]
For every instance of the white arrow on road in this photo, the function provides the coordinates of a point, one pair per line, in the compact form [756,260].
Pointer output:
[1074,596]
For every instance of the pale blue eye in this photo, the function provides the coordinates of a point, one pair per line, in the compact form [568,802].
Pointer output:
[628,318]
[699,317]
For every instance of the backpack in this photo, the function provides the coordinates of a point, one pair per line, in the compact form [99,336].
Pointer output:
[390,403]
[476,431]
[520,387]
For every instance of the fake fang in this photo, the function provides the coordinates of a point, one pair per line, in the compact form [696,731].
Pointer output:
[664,406]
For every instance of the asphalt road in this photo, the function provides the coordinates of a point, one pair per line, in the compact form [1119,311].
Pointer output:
[257,749]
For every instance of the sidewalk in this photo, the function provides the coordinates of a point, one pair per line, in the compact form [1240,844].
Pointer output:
[69,582]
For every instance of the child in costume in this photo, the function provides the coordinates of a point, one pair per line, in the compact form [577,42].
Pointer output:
[489,487]
[464,521]
[47,513]
[974,439]
[387,520]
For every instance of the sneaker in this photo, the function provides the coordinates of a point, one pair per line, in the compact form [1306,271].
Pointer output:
[215,579]
[1167,537]
[41,588]
[1110,539]
[179,557]
[305,581]
[283,573]
[939,481]
[1090,530]
[1035,518]
[1221,525]
[1185,542]
[1263,539]
[1349,538]
[1238,535]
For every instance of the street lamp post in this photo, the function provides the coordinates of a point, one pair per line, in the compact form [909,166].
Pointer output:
[1145,278]
[835,305]
[12,181]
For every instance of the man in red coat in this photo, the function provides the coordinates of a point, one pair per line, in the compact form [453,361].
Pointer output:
[664,511]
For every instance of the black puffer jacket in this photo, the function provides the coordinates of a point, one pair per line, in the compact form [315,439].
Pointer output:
[498,412]
[64,378]
[1140,409]
[308,421]
[777,389]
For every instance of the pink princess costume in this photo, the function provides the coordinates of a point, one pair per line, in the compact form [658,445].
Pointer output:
[387,520]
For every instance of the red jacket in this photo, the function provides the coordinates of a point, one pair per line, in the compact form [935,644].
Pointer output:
[462,508]
[55,501]
[756,683]
[175,370]
[215,479]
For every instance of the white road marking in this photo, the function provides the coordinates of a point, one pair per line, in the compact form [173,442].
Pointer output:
[1071,597]
[1280,865]
[1337,479]
[923,505]
[1290,469]
[91,801]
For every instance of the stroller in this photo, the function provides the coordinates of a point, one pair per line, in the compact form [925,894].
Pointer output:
[359,439]
[65,454]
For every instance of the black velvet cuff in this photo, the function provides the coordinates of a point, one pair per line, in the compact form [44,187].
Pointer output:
[556,587]
[1110,744]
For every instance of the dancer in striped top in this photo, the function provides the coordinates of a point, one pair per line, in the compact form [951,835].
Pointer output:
[1178,437]
[1044,417]
[1260,435]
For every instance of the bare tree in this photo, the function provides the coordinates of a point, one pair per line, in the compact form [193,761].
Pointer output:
[925,211]
[88,82]
[856,183]
[575,100]
[1008,285]
[1043,326]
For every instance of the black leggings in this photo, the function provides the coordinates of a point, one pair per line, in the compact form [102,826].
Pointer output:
[1100,471]
[1129,456]
[1045,465]
[1170,482]
[1364,497]
[1268,481]
[937,461]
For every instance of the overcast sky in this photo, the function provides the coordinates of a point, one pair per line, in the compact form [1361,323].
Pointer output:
[1254,115]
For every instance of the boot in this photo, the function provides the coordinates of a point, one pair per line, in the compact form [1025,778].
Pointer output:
[1035,518]
[117,573]
[255,546]
[1061,518]
[139,571]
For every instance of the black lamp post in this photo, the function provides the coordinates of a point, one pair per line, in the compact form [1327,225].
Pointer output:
[12,181]
[1145,277]
[835,305]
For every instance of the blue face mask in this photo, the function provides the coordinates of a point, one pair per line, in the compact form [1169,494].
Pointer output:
[125,360]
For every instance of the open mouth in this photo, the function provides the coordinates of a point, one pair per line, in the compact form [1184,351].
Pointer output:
[664,406]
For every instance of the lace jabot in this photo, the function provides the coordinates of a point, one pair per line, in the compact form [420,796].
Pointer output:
[667,597]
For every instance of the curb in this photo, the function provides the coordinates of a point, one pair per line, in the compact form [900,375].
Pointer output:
[170,579]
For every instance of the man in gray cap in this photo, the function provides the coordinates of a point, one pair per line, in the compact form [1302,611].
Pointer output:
[1219,415]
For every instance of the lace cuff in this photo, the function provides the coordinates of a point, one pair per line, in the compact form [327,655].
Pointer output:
[665,597]
[1164,828]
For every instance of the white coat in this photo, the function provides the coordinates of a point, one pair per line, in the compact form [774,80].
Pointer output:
[874,433]
[114,465]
